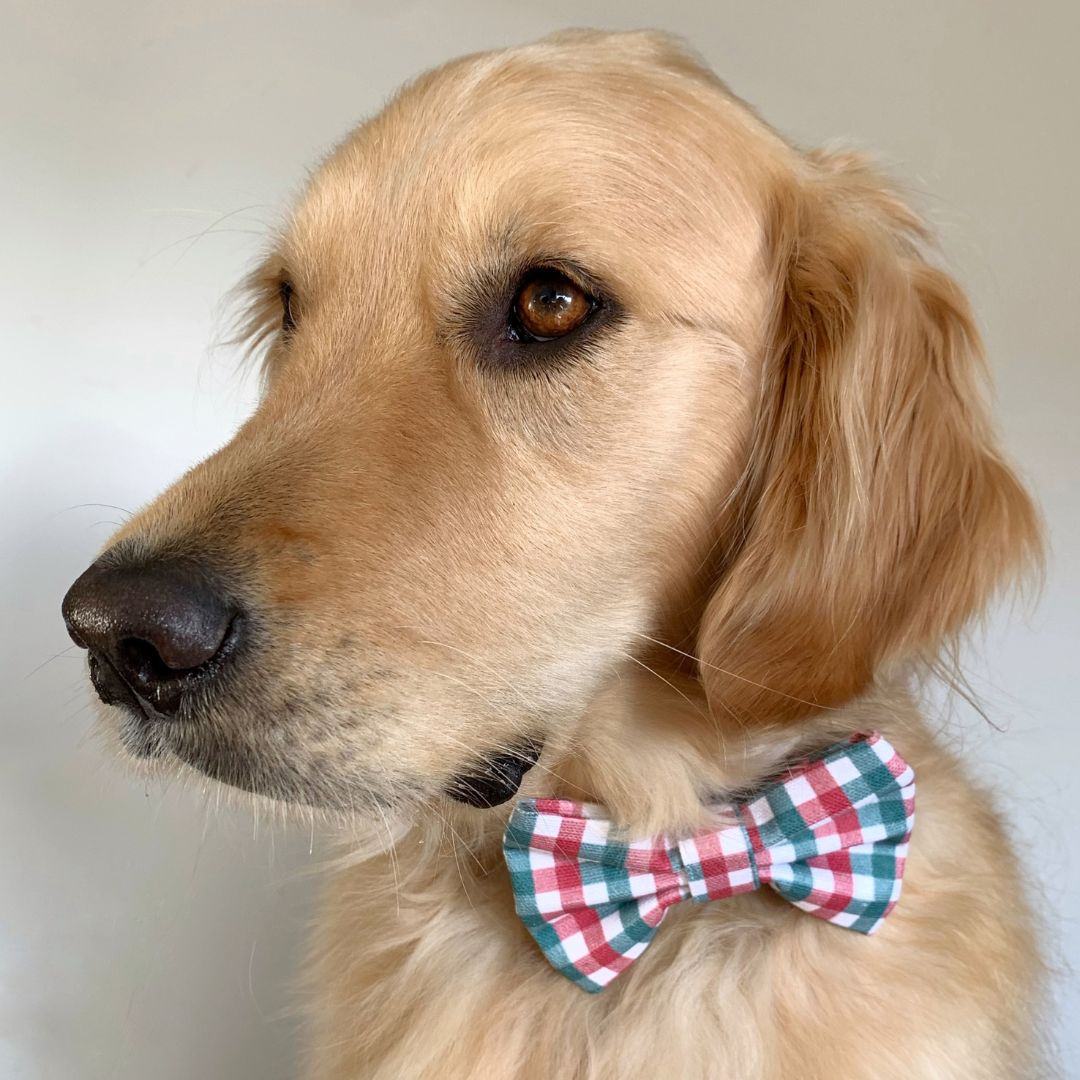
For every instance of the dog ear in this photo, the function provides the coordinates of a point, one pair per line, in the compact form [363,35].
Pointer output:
[876,515]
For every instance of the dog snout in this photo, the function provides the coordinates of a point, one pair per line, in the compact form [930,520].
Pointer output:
[154,631]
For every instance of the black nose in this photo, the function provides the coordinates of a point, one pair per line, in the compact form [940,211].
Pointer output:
[153,631]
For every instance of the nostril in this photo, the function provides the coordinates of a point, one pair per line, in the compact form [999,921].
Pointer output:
[140,660]
[185,636]
[157,628]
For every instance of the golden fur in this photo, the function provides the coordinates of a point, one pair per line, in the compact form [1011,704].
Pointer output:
[730,531]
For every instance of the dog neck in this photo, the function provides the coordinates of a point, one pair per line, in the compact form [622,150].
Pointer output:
[650,750]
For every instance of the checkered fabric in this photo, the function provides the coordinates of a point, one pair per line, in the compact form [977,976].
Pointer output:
[830,835]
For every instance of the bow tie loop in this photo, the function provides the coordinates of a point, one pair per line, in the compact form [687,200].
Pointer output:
[830,836]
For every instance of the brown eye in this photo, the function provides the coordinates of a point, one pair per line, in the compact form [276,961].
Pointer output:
[548,305]
[288,314]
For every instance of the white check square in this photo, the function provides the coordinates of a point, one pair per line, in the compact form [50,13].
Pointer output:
[595,892]
[843,770]
[575,948]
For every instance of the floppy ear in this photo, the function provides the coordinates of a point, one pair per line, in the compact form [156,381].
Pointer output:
[876,514]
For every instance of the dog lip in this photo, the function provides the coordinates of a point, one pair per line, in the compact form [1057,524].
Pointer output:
[497,778]
[111,687]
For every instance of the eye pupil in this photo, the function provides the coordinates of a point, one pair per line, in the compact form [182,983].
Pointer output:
[549,305]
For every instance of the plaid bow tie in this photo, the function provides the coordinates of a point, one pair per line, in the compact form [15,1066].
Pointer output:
[830,835]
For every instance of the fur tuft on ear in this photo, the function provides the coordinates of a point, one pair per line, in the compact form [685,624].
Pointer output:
[876,515]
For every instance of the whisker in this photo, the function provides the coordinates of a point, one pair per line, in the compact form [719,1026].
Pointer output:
[484,664]
[89,505]
[457,836]
[734,675]
[721,742]
[55,656]
[193,239]
[652,671]
[508,748]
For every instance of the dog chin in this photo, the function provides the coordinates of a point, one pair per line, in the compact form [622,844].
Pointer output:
[168,744]
[153,740]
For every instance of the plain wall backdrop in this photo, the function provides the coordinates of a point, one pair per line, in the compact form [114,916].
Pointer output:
[145,150]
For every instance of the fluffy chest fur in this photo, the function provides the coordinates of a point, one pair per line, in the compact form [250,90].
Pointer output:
[422,969]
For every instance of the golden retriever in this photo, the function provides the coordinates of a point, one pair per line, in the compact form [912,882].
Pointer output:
[612,447]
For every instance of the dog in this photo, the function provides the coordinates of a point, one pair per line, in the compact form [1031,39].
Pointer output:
[614,451]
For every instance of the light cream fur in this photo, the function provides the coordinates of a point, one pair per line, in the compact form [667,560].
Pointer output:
[422,970]
[728,532]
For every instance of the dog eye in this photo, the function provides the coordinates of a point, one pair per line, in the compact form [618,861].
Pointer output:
[288,314]
[547,305]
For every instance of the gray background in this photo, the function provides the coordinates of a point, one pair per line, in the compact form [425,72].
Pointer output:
[145,149]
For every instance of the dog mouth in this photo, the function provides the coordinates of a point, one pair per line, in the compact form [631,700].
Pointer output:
[496,778]
[245,764]
[488,781]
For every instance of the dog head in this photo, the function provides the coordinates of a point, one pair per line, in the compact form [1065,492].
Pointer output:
[566,352]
